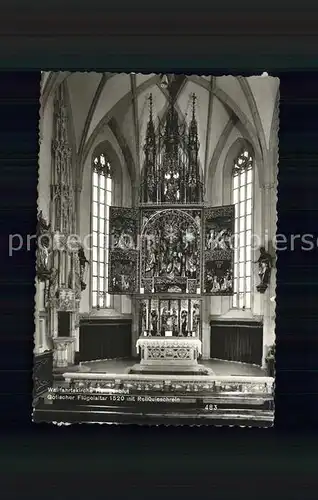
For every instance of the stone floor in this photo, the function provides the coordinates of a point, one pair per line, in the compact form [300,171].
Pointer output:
[219,367]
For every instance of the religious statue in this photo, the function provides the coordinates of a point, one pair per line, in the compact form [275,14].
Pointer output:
[191,271]
[151,188]
[125,241]
[53,285]
[169,321]
[184,322]
[43,248]
[210,239]
[82,264]
[196,319]
[227,281]
[125,285]
[174,321]
[164,320]
[171,188]
[265,263]
[154,322]
[192,189]
[151,259]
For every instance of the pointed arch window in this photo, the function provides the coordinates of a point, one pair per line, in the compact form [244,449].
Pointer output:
[242,198]
[102,186]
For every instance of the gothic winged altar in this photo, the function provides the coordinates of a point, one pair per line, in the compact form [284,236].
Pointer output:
[171,250]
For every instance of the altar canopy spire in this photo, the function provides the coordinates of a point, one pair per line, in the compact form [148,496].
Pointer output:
[150,165]
[196,188]
[171,170]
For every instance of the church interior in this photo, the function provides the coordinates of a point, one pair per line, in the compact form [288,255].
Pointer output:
[156,221]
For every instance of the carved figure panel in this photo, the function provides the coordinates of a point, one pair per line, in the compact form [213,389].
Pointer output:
[176,317]
[123,267]
[66,300]
[124,252]
[171,249]
[219,250]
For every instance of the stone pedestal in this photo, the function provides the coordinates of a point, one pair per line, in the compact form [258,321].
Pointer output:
[64,351]
[170,355]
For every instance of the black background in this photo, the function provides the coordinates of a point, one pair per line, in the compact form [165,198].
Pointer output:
[228,38]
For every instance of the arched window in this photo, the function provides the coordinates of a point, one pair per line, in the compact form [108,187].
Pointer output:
[102,186]
[242,198]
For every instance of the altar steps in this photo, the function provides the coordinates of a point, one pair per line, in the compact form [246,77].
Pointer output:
[170,369]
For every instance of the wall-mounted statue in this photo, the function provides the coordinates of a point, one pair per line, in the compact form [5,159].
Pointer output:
[82,265]
[43,239]
[265,264]
[52,289]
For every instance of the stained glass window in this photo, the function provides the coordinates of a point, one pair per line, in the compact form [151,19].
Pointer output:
[101,201]
[242,198]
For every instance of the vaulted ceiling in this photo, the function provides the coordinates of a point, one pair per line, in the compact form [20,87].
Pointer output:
[222,103]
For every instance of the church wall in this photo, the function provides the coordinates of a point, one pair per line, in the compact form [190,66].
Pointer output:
[45,159]
[231,86]
[121,197]
[264,91]
[115,89]
[81,87]
[219,193]
[265,196]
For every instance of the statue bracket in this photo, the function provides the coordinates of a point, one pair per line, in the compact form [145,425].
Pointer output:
[261,288]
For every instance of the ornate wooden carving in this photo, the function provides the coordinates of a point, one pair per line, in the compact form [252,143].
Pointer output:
[170,251]
[218,250]
[123,250]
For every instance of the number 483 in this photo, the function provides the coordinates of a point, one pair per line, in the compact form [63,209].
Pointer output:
[211,407]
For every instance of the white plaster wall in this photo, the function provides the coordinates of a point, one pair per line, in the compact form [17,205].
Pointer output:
[140,78]
[115,89]
[264,90]
[231,86]
[219,119]
[82,88]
